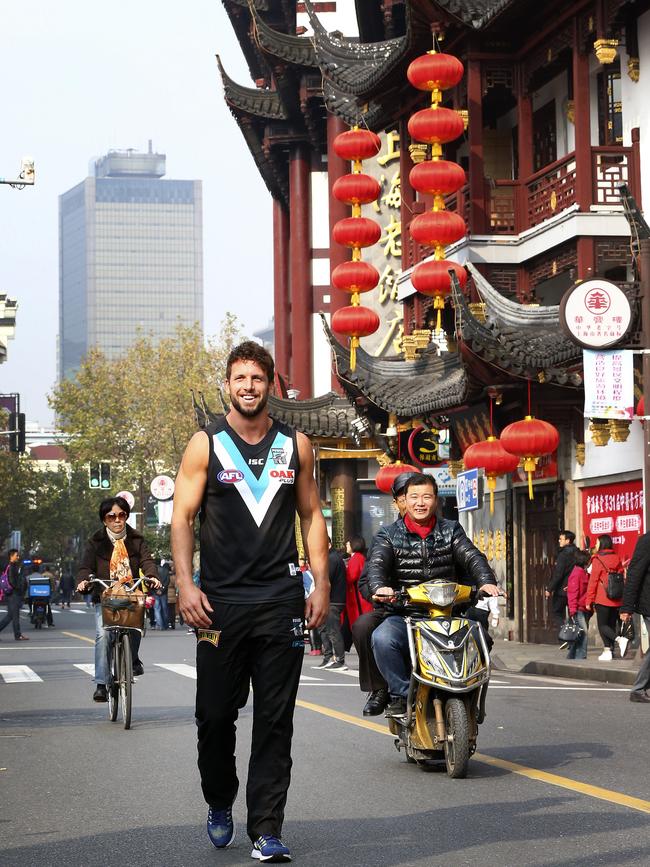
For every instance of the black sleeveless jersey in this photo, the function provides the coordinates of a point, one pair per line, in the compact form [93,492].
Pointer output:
[248,514]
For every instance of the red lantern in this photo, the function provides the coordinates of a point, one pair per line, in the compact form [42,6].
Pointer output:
[357,144]
[437,228]
[640,407]
[529,439]
[356,232]
[432,277]
[435,71]
[437,177]
[387,475]
[356,189]
[355,322]
[435,125]
[355,276]
[490,456]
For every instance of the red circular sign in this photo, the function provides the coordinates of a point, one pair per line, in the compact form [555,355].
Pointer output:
[597,301]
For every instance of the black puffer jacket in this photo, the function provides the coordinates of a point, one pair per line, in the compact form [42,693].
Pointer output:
[400,558]
[636,596]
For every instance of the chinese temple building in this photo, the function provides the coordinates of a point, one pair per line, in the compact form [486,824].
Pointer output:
[554,119]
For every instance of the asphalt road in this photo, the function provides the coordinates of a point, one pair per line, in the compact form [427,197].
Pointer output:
[560,778]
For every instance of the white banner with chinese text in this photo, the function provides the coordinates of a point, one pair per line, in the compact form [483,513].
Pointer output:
[609,383]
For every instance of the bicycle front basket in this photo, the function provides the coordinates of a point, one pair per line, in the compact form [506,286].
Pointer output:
[124,611]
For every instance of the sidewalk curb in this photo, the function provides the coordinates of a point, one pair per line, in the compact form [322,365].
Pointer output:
[568,670]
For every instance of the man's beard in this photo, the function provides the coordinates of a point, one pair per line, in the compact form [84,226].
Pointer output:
[249,411]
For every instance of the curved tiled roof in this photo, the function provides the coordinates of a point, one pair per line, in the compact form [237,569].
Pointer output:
[431,384]
[252,100]
[357,68]
[298,50]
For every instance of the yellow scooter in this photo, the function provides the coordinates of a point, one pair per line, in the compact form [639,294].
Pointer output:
[449,678]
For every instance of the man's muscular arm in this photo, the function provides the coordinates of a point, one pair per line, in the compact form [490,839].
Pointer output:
[314,535]
[190,486]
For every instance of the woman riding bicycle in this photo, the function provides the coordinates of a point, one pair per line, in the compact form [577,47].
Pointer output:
[117,552]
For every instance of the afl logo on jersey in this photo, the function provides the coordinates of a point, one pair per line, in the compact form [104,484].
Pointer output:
[230,477]
[285,477]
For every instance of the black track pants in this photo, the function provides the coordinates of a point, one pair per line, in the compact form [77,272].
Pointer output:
[260,645]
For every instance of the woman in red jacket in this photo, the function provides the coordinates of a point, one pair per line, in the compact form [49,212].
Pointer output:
[605,560]
[576,597]
[355,604]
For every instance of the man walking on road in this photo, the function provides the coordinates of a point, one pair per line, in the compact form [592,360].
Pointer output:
[331,632]
[14,599]
[248,474]
[557,586]
[636,597]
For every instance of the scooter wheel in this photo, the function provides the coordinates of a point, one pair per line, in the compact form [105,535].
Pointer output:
[457,742]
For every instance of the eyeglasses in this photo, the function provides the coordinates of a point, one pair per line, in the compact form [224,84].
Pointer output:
[111,516]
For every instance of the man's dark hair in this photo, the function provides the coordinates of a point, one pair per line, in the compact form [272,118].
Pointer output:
[251,351]
[106,505]
[358,544]
[605,542]
[12,551]
[420,479]
[568,534]
[582,558]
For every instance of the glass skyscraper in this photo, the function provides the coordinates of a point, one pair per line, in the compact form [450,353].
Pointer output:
[130,256]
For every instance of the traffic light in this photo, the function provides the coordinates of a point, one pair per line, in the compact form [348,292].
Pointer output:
[105,475]
[93,476]
[17,432]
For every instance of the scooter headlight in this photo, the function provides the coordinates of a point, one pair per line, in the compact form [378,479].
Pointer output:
[441,593]
[473,657]
[431,658]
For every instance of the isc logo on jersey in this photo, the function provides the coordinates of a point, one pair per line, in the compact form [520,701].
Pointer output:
[285,477]
[230,477]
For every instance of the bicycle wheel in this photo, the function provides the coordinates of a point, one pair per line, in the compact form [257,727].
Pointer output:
[126,679]
[113,685]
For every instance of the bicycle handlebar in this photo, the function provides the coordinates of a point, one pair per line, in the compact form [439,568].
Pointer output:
[93,579]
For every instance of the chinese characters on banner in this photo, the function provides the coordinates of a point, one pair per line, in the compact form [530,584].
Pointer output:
[609,383]
[386,256]
[616,510]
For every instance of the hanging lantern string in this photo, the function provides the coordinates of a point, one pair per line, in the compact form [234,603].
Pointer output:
[491,416]
[529,412]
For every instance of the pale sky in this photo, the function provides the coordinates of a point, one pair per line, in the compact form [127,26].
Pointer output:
[81,77]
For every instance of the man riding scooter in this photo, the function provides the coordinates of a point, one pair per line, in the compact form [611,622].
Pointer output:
[418,547]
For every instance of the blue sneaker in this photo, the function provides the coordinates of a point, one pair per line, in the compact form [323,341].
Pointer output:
[267,848]
[221,827]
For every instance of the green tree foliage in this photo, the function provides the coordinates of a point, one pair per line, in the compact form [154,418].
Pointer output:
[137,412]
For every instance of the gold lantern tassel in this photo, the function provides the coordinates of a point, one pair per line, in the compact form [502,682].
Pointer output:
[354,343]
[492,484]
[529,465]
[439,305]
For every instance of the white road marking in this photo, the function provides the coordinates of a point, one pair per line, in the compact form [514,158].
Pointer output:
[306,677]
[87,667]
[178,668]
[21,647]
[19,674]
[567,688]
[327,684]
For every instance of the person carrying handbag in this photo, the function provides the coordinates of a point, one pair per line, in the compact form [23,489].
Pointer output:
[577,602]
[604,562]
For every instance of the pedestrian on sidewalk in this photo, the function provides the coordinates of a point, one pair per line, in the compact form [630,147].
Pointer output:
[556,590]
[577,602]
[331,632]
[161,609]
[604,561]
[66,587]
[248,474]
[13,599]
[636,597]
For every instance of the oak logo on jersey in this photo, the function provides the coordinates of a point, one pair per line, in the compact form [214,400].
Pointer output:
[210,635]
[230,477]
[285,477]
[279,456]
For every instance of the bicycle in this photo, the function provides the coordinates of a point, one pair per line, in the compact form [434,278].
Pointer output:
[120,615]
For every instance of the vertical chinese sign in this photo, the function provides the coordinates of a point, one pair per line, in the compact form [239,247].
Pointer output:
[386,256]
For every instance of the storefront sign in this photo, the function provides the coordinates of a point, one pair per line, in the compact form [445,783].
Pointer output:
[467,490]
[423,446]
[546,468]
[609,384]
[595,314]
[446,485]
[615,510]
[162,487]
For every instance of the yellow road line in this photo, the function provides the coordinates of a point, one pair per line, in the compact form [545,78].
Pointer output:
[80,637]
[522,770]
